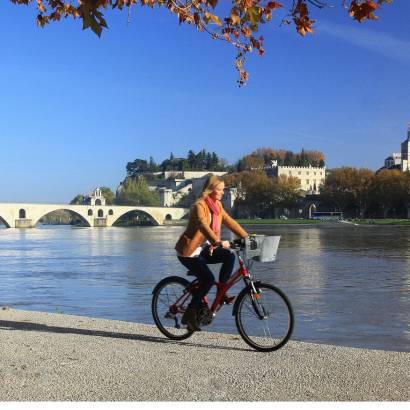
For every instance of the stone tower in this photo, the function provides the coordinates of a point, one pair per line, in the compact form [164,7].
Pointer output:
[405,151]
[97,198]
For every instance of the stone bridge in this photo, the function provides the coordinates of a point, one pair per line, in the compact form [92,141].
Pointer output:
[21,215]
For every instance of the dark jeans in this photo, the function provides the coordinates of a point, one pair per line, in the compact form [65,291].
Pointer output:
[198,265]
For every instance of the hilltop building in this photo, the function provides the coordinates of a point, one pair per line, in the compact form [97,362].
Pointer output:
[400,161]
[310,178]
[176,187]
[393,161]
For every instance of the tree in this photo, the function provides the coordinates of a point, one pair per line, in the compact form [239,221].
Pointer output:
[153,167]
[215,162]
[239,27]
[251,163]
[208,161]
[200,160]
[77,200]
[108,195]
[260,195]
[289,158]
[136,167]
[135,191]
[348,187]
[390,190]
[191,159]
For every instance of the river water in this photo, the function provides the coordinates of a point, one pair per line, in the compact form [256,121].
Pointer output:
[349,285]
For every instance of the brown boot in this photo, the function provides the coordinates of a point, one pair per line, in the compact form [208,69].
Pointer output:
[189,318]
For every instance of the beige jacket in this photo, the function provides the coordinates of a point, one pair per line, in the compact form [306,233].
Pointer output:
[199,228]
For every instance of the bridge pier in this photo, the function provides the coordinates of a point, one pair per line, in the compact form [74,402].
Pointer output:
[23,223]
[100,222]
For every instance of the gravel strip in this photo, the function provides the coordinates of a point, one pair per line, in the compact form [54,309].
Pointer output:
[56,357]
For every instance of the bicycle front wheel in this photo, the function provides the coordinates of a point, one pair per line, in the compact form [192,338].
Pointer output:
[264,319]
[169,302]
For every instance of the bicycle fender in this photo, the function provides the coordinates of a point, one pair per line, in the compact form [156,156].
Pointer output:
[169,279]
[239,297]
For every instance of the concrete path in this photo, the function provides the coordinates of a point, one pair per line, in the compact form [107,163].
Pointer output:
[60,357]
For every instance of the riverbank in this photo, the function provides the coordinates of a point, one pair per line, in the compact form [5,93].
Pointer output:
[380,221]
[54,357]
[383,222]
[265,222]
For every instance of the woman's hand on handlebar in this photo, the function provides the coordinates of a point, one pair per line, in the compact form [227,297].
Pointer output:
[225,244]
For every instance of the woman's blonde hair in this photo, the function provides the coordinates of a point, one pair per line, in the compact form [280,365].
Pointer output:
[210,185]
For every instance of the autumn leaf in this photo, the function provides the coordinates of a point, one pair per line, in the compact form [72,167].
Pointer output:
[273,5]
[304,25]
[255,14]
[213,3]
[40,6]
[235,19]
[363,11]
[216,20]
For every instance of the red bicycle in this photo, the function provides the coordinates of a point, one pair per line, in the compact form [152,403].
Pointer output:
[263,313]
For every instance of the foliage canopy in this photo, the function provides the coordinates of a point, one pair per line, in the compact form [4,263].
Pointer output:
[201,161]
[237,24]
[361,192]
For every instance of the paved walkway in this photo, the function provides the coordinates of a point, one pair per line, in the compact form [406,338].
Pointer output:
[60,357]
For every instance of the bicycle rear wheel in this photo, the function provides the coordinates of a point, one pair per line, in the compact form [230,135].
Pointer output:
[264,319]
[168,305]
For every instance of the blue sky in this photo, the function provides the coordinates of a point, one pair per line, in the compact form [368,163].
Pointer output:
[75,108]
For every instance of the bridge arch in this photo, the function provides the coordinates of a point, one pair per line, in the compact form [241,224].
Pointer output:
[4,221]
[83,219]
[136,210]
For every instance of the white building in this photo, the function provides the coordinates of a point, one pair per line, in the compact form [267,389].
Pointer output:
[401,160]
[405,151]
[310,178]
[393,160]
[176,185]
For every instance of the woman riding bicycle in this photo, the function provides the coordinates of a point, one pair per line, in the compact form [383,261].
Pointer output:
[201,245]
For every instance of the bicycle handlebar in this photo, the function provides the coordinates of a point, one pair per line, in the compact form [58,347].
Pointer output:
[237,244]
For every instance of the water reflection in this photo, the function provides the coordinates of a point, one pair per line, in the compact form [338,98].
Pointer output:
[349,285]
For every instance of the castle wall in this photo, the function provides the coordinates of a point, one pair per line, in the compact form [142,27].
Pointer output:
[311,178]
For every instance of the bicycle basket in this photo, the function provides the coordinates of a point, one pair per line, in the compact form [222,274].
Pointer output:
[261,248]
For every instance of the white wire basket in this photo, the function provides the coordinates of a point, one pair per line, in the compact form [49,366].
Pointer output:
[261,248]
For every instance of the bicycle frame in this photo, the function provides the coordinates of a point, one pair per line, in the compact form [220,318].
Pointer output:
[222,288]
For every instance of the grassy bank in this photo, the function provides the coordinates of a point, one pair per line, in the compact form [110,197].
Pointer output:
[281,221]
[264,222]
[307,222]
[381,221]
